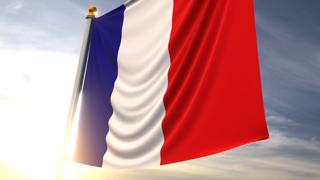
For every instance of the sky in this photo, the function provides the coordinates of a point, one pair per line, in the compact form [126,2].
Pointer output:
[39,47]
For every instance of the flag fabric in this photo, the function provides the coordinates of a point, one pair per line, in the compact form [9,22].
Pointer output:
[169,81]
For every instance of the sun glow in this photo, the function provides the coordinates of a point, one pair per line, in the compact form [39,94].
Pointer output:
[34,98]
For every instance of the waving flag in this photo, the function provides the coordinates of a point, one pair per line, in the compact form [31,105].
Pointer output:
[168,81]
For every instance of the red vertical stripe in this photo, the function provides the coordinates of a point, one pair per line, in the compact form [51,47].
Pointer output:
[213,101]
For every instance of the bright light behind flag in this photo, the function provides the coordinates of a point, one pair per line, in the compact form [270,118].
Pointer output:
[34,99]
[96,13]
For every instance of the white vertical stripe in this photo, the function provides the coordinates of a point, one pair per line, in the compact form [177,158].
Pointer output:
[135,133]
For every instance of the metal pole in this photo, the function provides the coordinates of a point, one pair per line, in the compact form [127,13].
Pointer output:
[77,88]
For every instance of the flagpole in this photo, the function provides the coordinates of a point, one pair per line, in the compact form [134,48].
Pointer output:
[77,88]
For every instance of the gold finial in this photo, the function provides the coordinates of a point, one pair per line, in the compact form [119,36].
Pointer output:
[92,11]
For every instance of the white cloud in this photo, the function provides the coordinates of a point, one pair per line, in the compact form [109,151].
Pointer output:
[279,120]
[13,6]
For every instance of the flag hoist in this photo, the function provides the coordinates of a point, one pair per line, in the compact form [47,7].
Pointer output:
[77,88]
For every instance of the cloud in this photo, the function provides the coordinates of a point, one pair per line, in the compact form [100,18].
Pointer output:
[290,64]
[41,25]
[280,120]
[13,7]
[281,157]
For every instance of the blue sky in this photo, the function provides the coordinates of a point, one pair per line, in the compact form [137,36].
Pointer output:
[39,48]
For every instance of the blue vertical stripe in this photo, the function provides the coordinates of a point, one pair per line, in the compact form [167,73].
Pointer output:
[101,74]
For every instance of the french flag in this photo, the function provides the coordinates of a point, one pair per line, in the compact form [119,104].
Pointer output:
[169,81]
